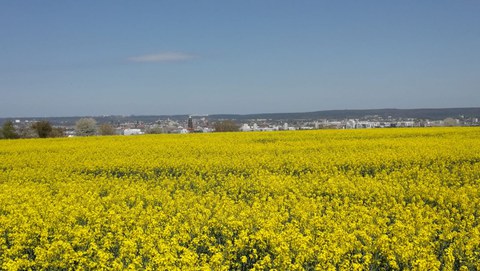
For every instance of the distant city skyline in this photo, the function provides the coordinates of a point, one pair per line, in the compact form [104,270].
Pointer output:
[87,58]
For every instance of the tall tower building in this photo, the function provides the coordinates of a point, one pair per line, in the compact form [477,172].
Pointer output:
[190,124]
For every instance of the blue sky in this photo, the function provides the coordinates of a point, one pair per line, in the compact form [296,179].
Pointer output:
[68,58]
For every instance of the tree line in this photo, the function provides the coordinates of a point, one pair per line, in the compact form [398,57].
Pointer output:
[39,129]
[44,129]
[83,127]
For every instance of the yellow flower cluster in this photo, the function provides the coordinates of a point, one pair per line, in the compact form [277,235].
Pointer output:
[388,199]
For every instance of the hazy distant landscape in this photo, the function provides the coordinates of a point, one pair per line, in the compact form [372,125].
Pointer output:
[423,114]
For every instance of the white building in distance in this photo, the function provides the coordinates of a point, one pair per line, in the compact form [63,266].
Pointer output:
[132,132]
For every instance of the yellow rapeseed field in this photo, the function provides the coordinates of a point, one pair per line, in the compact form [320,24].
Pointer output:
[379,199]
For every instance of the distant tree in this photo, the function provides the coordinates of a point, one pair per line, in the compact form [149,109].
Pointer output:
[8,130]
[43,128]
[27,131]
[226,126]
[57,132]
[106,129]
[86,127]
[155,130]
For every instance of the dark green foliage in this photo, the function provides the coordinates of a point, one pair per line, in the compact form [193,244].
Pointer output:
[8,130]
[43,128]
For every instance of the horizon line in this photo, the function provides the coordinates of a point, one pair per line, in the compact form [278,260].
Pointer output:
[236,114]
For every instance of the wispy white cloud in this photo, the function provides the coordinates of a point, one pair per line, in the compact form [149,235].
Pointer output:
[162,57]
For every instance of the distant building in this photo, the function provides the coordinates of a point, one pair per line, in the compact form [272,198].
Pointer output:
[245,128]
[133,132]
[190,124]
[351,124]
